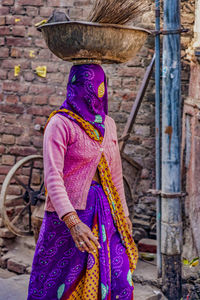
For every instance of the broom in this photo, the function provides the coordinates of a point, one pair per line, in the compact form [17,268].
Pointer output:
[116,11]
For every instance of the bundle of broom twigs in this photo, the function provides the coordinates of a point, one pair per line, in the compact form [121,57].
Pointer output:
[117,11]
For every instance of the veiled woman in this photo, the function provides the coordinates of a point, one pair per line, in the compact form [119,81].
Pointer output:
[85,248]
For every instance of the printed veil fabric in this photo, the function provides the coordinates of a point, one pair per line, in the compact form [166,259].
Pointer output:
[87,94]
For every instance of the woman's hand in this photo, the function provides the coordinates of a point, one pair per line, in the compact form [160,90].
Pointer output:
[130,225]
[83,236]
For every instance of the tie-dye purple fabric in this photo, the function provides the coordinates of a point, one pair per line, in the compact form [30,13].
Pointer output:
[87,94]
[58,265]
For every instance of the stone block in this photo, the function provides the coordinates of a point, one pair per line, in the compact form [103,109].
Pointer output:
[1,223]
[2,242]
[16,266]
[6,233]
[4,259]
[147,245]
[141,224]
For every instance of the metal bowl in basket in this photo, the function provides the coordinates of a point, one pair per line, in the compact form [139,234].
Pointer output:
[85,40]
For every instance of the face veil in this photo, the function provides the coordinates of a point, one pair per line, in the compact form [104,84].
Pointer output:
[87,94]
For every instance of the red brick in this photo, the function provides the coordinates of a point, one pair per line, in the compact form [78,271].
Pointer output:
[23,141]
[31,2]
[56,77]
[31,53]
[19,31]
[3,74]
[13,99]
[129,83]
[16,52]
[2,20]
[8,139]
[35,110]
[15,87]
[19,42]
[76,13]
[45,54]
[2,149]
[39,110]
[2,178]
[32,31]
[7,2]
[32,11]
[41,90]
[61,91]
[37,141]
[82,3]
[56,101]
[8,160]
[54,3]
[11,76]
[29,76]
[47,110]
[18,20]
[126,106]
[4,170]
[4,11]
[64,68]
[5,30]
[18,10]
[2,41]
[131,72]
[41,100]
[51,67]
[27,99]
[11,63]
[11,108]
[23,151]
[9,129]
[46,11]
[40,120]
[4,52]
[40,43]
[11,119]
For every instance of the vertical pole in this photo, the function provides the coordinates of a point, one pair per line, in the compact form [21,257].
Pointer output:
[158,154]
[171,225]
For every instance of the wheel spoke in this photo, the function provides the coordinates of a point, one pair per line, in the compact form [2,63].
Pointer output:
[20,214]
[15,198]
[21,183]
[42,186]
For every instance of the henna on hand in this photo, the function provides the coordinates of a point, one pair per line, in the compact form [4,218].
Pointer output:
[81,233]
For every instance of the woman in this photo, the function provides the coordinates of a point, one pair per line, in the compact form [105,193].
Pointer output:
[85,248]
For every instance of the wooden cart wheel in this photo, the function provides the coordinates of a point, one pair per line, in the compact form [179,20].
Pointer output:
[22,189]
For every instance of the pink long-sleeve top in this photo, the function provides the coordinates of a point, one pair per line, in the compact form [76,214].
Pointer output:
[71,158]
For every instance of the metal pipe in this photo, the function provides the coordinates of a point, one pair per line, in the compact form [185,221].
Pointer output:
[171,221]
[157,133]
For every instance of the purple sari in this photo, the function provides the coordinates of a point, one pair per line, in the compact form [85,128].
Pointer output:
[58,266]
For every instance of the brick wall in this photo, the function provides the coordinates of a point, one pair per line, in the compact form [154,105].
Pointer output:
[27,100]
